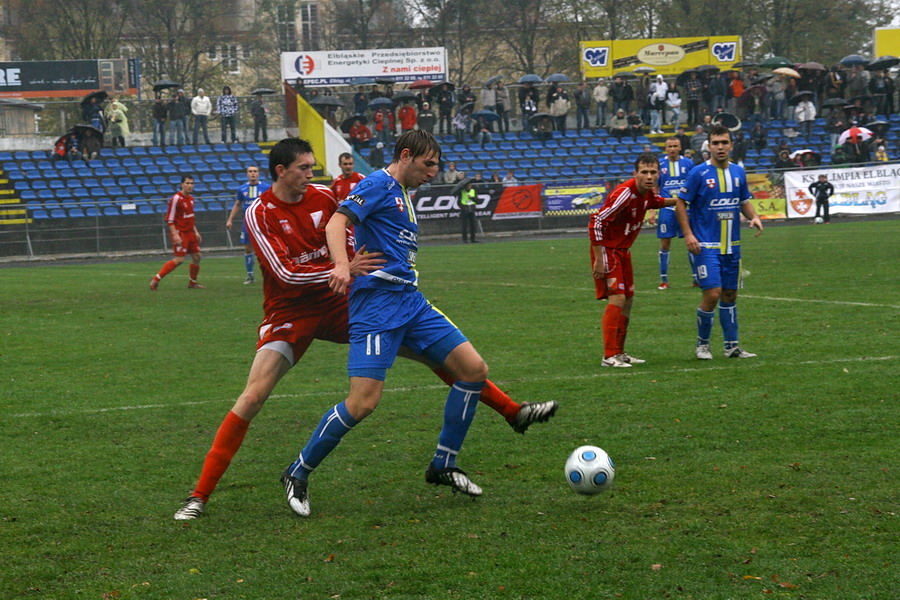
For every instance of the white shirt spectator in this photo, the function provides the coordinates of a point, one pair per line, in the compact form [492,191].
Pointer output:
[201,104]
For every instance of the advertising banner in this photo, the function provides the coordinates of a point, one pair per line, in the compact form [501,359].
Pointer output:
[857,191]
[574,198]
[340,67]
[668,56]
[768,199]
[493,201]
[887,41]
[66,78]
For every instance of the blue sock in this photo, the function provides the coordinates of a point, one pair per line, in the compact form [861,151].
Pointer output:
[704,325]
[728,319]
[664,266]
[248,262]
[334,425]
[458,414]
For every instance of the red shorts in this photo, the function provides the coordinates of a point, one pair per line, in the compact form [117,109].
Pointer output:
[619,276]
[189,244]
[326,320]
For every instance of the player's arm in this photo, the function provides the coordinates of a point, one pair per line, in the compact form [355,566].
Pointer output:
[598,269]
[690,240]
[233,213]
[170,221]
[748,211]
[336,237]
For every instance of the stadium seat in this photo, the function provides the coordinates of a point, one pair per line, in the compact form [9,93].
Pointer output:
[118,171]
[201,188]
[149,191]
[80,193]
[45,195]
[110,211]
[139,151]
[40,213]
[23,185]
[214,205]
[58,213]
[92,211]
[75,213]
[560,152]
[145,209]
[126,151]
[556,162]
[20,156]
[551,172]
[155,151]
[146,161]
[27,196]
[56,184]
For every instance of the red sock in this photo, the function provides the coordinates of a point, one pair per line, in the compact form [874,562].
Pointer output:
[611,318]
[225,445]
[194,270]
[491,395]
[166,269]
[623,331]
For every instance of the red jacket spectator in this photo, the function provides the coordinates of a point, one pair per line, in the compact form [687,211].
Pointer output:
[407,116]
[360,134]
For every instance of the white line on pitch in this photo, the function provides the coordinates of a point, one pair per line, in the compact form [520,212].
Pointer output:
[338,393]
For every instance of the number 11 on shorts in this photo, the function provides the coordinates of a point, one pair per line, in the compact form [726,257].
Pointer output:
[373,342]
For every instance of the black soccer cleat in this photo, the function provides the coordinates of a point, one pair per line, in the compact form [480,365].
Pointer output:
[297,491]
[454,477]
[538,412]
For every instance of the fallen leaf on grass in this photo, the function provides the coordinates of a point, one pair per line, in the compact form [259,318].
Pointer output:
[751,577]
[501,588]
[655,567]
[194,571]
[329,558]
[788,585]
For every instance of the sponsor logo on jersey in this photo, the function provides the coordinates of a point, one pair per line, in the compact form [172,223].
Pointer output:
[724,202]
[356,198]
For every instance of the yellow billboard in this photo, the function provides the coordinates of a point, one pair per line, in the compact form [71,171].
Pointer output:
[887,41]
[668,56]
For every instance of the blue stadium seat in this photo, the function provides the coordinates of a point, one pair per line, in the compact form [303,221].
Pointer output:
[200,188]
[525,163]
[135,171]
[22,185]
[214,205]
[75,213]
[40,213]
[155,151]
[126,151]
[44,165]
[179,160]
[219,148]
[112,163]
[39,184]
[6,157]
[118,171]
[114,190]
[129,162]
[567,143]
[199,206]
[27,196]
[46,195]
[56,184]
[144,208]
[556,162]
[139,151]
[20,156]
[600,170]
[81,194]
[587,161]
[92,211]
[142,180]
[148,191]
[101,172]
[567,172]
[206,149]
[551,172]
[111,211]
[216,186]
[125,181]
[560,152]
[146,161]
[58,213]
[84,172]
[541,163]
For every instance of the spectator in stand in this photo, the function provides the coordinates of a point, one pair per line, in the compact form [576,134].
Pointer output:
[528,102]
[426,118]
[716,88]
[878,89]
[775,88]
[451,175]
[503,107]
[227,108]
[673,104]
[66,148]
[835,125]
[159,122]
[857,82]
[601,97]
[482,130]
[890,88]
[510,179]
[707,123]
[260,114]
[360,136]
[489,98]
[857,149]
[618,124]
[389,90]
[805,113]
[683,139]
[445,100]
[643,98]
[558,103]
[881,154]
[618,93]
[118,122]
[739,153]
[582,107]
[407,117]
[461,125]
[543,129]
[759,137]
[177,111]
[698,139]
[466,95]
[92,114]
[374,93]
[834,83]
[201,107]
[376,156]
[635,125]
[495,177]
[659,91]
[736,90]
[693,90]
[360,102]
[384,124]
[838,157]
[783,160]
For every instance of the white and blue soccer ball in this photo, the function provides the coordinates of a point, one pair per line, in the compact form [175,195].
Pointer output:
[590,470]
[819,220]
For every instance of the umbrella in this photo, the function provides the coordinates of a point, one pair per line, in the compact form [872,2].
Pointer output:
[728,120]
[745,63]
[880,126]
[644,70]
[348,122]
[262,92]
[384,81]
[460,185]
[493,80]
[165,84]
[557,78]
[707,69]
[773,62]
[84,128]
[763,78]
[862,99]
[851,60]
[624,75]
[883,62]
[797,153]
[361,81]
[403,95]
[421,84]
[787,71]
[800,97]
[812,66]
[326,101]
[487,115]
[530,78]
[381,102]
[100,95]
[855,135]
[466,106]
[681,79]
[533,119]
[834,102]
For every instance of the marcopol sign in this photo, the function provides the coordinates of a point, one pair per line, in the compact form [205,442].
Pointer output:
[660,54]
[666,56]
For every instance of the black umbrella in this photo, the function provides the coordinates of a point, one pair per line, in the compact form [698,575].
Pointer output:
[851,60]
[326,101]
[624,75]
[466,106]
[681,79]
[449,84]
[165,84]
[763,78]
[728,120]
[99,94]
[557,78]
[349,121]
[745,63]
[644,70]
[880,126]
[834,102]
[800,97]
[883,62]
[493,80]
[262,92]
[460,185]
[381,102]
[533,119]
[82,131]
[403,95]
[708,69]
[862,99]
[530,78]
[773,62]
[384,81]
[487,115]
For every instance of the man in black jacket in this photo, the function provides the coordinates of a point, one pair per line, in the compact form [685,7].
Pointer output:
[822,190]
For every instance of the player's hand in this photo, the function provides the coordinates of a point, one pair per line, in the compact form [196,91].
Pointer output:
[339,280]
[199,238]
[176,239]
[364,263]
[651,219]
[228,224]
[692,244]
[598,270]
[757,223]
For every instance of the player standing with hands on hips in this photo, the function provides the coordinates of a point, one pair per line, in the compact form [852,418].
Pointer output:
[716,192]
[613,230]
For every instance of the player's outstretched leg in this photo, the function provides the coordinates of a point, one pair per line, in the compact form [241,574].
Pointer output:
[166,269]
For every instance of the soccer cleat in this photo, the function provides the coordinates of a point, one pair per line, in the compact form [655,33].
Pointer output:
[196,286]
[736,352]
[633,360]
[703,352]
[538,412]
[297,493]
[191,509]
[617,360]
[249,280]
[154,283]
[454,477]
[663,286]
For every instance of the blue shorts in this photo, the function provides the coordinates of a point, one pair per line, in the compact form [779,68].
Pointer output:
[381,321]
[716,270]
[245,237]
[667,224]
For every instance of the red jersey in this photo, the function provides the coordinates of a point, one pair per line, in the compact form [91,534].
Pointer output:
[342,186]
[181,213]
[360,133]
[621,215]
[289,240]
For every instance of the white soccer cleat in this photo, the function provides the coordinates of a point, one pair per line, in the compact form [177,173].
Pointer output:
[191,509]
[297,493]
[633,360]
[703,352]
[455,477]
[617,360]
[738,353]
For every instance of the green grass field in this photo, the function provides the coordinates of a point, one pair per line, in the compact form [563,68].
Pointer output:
[772,477]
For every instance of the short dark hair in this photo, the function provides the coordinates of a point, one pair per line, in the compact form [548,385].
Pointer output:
[719,129]
[419,143]
[186,176]
[647,158]
[673,137]
[285,152]
[345,155]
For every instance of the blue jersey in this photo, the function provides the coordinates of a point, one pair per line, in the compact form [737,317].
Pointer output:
[248,193]
[385,222]
[672,175]
[714,197]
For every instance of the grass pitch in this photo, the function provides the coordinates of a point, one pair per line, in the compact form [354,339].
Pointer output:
[772,477]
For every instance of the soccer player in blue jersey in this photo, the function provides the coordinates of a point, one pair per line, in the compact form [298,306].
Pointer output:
[387,310]
[717,194]
[673,169]
[246,194]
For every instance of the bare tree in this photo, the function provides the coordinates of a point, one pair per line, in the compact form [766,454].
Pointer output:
[67,29]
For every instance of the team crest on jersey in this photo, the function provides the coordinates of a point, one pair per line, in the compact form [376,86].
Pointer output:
[356,198]
[711,183]
[399,201]
[286,227]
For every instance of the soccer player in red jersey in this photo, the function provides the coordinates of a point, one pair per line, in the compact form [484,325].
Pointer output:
[183,233]
[287,228]
[344,183]
[613,230]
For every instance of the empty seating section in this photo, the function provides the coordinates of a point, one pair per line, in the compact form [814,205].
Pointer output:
[128,181]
